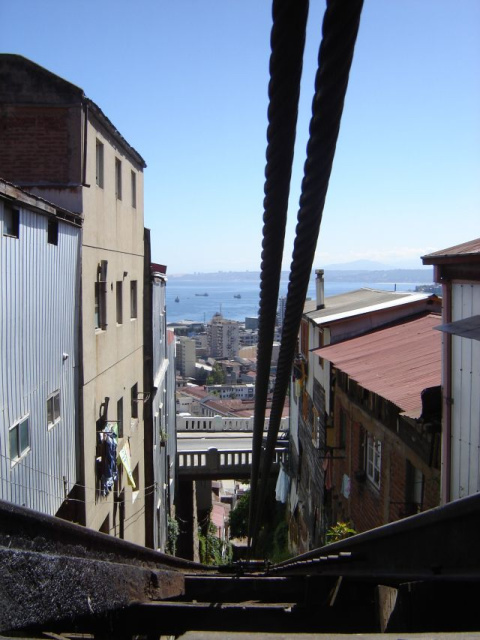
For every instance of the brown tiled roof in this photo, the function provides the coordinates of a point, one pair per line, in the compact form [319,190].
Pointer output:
[469,249]
[397,362]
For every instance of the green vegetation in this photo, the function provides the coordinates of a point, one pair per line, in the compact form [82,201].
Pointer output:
[217,376]
[239,517]
[173,531]
[340,531]
[272,542]
[213,551]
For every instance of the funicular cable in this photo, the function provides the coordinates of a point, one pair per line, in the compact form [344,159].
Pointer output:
[340,28]
[287,46]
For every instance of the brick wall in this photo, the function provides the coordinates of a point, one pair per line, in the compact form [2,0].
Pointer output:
[369,506]
[39,144]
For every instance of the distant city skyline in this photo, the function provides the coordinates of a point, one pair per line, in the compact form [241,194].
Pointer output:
[186,84]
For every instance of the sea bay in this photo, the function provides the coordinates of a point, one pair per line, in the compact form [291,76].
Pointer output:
[238,297]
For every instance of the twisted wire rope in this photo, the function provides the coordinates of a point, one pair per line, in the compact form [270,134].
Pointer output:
[286,60]
[340,28]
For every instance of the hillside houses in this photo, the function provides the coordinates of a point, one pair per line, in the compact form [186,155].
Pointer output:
[60,147]
[339,430]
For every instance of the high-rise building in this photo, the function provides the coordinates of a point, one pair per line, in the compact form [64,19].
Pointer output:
[223,337]
[185,356]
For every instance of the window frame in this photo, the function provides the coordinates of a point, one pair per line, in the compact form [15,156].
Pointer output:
[52,231]
[119,301]
[134,401]
[133,300]
[100,299]
[136,480]
[120,417]
[342,428]
[16,427]
[373,459]
[118,178]
[57,415]
[13,231]
[133,182]
[99,164]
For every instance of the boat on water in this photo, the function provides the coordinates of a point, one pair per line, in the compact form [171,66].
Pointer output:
[201,294]
[177,299]
[237,295]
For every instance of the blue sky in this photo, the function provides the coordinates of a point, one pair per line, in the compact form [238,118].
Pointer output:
[185,81]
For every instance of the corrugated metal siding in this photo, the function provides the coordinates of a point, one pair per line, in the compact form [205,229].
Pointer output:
[158,409]
[397,362]
[39,293]
[466,396]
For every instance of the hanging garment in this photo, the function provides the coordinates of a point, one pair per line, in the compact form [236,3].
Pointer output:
[109,462]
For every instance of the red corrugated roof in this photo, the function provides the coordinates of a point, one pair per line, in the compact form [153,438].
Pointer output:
[469,249]
[397,362]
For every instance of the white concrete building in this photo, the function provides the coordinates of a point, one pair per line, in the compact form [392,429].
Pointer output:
[223,337]
[185,356]
[159,413]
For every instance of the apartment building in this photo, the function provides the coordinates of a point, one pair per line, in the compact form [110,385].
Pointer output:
[239,391]
[39,290]
[185,357]
[223,337]
[159,406]
[58,144]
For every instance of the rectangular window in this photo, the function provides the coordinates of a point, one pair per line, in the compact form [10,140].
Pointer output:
[414,482]
[53,409]
[101,296]
[373,459]
[134,400]
[99,164]
[118,179]
[52,232]
[136,483]
[120,417]
[134,189]
[304,338]
[343,429]
[19,439]
[133,299]
[11,221]
[119,302]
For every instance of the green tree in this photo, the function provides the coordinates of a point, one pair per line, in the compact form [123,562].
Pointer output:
[239,517]
[217,376]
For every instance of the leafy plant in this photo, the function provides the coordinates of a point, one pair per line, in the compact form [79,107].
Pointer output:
[340,531]
[173,531]
[239,517]
[213,551]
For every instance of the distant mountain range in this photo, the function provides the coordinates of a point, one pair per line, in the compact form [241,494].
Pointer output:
[351,272]
[371,265]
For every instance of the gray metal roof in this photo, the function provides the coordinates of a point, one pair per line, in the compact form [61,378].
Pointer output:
[345,305]
[465,328]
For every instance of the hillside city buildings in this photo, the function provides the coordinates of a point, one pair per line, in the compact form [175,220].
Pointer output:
[59,146]
[382,414]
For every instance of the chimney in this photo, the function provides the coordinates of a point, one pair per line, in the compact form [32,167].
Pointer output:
[320,288]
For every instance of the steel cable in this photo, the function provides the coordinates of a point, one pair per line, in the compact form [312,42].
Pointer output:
[340,28]
[287,46]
